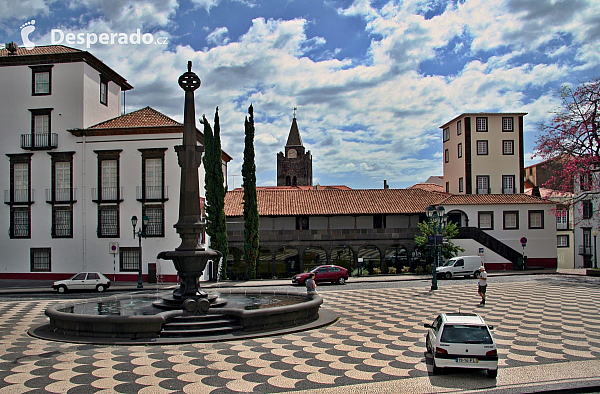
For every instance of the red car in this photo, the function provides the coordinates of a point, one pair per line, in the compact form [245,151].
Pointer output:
[324,273]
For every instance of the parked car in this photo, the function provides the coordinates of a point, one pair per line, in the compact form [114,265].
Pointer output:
[460,266]
[461,340]
[83,281]
[324,273]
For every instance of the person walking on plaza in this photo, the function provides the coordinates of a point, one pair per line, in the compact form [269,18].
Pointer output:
[482,285]
[311,285]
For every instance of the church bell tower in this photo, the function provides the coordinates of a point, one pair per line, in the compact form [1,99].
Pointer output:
[294,165]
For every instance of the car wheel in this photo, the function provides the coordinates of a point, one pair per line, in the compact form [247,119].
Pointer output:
[448,275]
[100,288]
[492,373]
[62,289]
[436,370]
[341,280]
[476,274]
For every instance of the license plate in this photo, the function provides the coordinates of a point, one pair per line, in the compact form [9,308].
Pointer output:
[467,360]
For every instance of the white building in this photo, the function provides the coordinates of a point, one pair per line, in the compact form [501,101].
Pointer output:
[587,220]
[77,171]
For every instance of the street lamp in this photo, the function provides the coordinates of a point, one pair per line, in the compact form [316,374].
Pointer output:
[140,233]
[438,219]
[595,234]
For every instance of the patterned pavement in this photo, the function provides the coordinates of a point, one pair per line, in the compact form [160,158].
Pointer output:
[378,343]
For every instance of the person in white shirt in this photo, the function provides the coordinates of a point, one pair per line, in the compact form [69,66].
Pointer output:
[482,284]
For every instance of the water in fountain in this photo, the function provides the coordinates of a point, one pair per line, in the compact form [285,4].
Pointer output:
[219,270]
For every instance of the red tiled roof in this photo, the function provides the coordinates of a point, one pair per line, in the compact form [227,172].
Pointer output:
[40,50]
[334,202]
[491,199]
[548,193]
[145,117]
[430,187]
[282,188]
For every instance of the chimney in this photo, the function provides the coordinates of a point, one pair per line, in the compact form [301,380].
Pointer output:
[318,186]
[385,185]
[11,47]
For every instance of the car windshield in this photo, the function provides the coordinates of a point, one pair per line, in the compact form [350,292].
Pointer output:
[466,334]
[448,263]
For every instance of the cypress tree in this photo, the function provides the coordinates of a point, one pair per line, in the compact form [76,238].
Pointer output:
[216,224]
[251,221]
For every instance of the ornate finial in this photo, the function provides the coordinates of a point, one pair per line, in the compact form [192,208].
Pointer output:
[295,112]
[189,81]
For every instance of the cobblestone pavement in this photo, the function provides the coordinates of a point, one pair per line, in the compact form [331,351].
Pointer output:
[546,331]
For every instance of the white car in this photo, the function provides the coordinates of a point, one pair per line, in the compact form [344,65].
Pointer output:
[83,281]
[462,340]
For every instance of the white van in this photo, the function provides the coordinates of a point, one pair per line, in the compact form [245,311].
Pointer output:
[460,266]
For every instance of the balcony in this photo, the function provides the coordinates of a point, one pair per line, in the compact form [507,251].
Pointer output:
[152,193]
[19,197]
[107,194]
[61,195]
[585,250]
[43,141]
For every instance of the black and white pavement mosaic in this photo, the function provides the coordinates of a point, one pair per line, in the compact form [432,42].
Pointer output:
[379,338]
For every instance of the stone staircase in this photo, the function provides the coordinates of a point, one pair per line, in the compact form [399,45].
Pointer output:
[199,326]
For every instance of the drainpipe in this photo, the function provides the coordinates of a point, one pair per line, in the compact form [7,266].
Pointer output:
[84,204]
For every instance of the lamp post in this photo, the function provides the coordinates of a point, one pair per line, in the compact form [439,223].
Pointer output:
[595,234]
[140,233]
[438,219]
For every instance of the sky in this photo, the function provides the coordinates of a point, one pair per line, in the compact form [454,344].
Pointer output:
[372,80]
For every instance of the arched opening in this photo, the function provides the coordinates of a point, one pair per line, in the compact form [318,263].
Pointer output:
[396,256]
[288,181]
[264,269]
[287,262]
[314,256]
[236,269]
[342,256]
[294,182]
[458,217]
[371,258]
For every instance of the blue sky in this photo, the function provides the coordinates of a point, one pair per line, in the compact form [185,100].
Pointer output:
[372,80]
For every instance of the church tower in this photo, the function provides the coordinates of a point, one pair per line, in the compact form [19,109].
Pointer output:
[294,166]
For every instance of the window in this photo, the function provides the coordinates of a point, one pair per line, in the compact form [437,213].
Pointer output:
[446,134]
[508,184]
[460,185]
[154,179]
[41,80]
[21,179]
[446,156]
[62,221]
[588,210]
[379,221]
[459,127]
[40,259]
[447,187]
[129,259]
[562,218]
[536,219]
[584,182]
[562,241]
[156,222]
[20,222]
[508,147]
[108,176]
[62,178]
[41,130]
[108,221]
[507,124]
[486,220]
[459,150]
[482,147]
[301,222]
[483,184]
[103,90]
[511,220]
[482,124]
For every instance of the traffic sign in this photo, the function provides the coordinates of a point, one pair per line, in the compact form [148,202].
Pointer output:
[523,240]
[114,247]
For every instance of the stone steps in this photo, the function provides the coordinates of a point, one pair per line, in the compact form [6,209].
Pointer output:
[199,325]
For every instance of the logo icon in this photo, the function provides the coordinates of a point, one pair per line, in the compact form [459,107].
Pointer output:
[26,30]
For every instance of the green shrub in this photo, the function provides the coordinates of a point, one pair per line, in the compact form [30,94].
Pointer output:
[405,269]
[419,270]
[363,272]
[377,271]
[392,270]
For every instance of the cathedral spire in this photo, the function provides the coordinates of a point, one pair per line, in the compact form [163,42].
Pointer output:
[294,138]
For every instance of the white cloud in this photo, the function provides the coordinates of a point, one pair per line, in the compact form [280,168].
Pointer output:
[218,36]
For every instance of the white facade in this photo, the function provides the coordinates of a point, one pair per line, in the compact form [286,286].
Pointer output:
[508,223]
[586,221]
[51,181]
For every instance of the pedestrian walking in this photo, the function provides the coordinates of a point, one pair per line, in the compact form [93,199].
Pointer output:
[482,284]
[311,285]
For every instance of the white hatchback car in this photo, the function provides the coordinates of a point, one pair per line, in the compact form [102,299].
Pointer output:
[83,281]
[462,340]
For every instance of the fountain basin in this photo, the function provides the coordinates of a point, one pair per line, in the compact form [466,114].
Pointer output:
[119,317]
